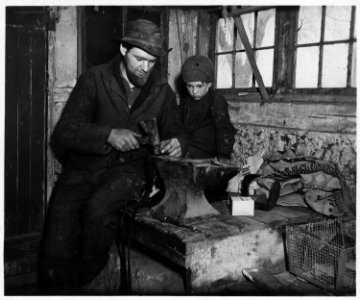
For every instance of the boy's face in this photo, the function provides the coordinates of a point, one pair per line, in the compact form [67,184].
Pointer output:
[198,89]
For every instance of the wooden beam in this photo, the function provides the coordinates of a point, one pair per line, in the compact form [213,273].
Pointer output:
[244,10]
[241,29]
[285,40]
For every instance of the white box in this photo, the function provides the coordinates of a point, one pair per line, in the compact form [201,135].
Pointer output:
[242,206]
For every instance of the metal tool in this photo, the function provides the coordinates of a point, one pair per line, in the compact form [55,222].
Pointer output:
[176,223]
[153,139]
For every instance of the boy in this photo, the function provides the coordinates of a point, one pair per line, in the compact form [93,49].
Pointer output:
[205,119]
[204,112]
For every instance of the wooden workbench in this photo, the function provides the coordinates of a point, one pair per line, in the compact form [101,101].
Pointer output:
[216,250]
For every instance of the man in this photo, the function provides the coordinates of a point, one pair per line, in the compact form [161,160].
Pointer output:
[104,166]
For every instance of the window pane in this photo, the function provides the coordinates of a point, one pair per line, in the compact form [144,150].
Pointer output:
[337,22]
[309,24]
[248,21]
[265,31]
[224,71]
[225,35]
[307,66]
[243,71]
[353,67]
[335,65]
[264,61]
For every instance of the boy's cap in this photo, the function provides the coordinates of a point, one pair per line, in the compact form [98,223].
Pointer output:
[198,68]
[145,35]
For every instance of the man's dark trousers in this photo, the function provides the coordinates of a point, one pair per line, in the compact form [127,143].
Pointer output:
[82,221]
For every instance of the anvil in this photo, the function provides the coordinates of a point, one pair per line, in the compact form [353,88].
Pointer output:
[185,180]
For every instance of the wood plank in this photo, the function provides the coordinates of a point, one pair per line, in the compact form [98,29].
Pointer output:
[270,218]
[242,33]
[187,21]
[27,17]
[179,243]
[26,62]
[204,33]
[37,130]
[243,223]
[219,227]
[157,244]
[294,285]
[171,233]
[24,134]
[260,219]
[233,98]
[19,281]
[11,128]
[299,116]
[285,48]
[175,62]
[299,214]
[182,40]
[284,283]
[265,281]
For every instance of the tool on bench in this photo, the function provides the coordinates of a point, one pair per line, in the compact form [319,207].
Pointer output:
[176,223]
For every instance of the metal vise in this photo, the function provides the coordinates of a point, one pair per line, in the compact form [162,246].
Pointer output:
[152,137]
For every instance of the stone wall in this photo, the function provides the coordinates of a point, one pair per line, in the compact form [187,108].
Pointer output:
[62,70]
[272,143]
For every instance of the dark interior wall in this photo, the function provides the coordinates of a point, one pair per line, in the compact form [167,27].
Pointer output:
[102,24]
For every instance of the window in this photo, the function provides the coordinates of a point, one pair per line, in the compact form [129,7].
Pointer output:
[233,67]
[326,47]
[295,48]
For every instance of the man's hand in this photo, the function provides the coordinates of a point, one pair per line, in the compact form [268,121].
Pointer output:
[171,147]
[123,139]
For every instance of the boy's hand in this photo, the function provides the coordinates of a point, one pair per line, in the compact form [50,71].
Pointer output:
[123,139]
[171,147]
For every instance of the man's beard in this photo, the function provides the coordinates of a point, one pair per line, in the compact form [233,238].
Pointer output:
[136,80]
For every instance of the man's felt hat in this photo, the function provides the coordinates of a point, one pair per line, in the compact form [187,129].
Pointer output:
[198,68]
[145,35]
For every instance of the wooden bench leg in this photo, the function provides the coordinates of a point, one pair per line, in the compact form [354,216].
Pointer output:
[187,281]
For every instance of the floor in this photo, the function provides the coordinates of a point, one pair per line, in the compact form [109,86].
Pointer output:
[149,277]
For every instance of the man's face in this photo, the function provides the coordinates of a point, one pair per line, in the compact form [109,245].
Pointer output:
[198,89]
[138,64]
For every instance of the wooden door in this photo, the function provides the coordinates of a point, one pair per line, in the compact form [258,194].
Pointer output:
[25,135]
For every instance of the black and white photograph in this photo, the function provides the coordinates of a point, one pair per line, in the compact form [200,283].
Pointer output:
[179,149]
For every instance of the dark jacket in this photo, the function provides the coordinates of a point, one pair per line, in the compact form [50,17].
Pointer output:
[98,103]
[207,126]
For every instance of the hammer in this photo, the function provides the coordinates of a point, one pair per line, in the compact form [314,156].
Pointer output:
[150,128]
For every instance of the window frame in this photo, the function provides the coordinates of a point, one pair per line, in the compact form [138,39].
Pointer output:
[350,42]
[285,46]
[234,51]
